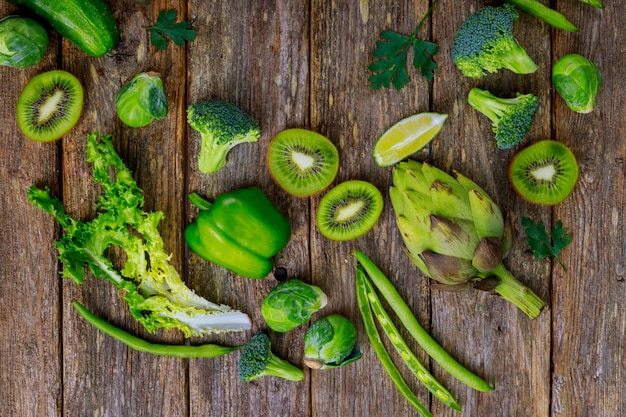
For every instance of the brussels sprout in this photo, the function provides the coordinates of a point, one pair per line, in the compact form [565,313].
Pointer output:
[330,342]
[577,80]
[22,42]
[290,304]
[142,100]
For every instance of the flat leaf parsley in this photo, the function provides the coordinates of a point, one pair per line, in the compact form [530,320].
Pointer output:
[389,66]
[166,26]
[541,244]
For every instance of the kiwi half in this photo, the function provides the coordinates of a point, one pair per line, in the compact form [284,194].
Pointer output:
[49,106]
[302,162]
[349,210]
[544,173]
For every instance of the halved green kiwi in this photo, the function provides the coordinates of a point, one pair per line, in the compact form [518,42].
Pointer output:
[49,106]
[302,162]
[544,173]
[349,210]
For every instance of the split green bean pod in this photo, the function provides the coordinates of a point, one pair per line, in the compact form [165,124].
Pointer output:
[141,345]
[379,348]
[412,362]
[425,340]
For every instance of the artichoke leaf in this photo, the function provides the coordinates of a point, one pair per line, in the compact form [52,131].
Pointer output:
[487,216]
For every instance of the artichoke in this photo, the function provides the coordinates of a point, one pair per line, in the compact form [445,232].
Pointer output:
[455,233]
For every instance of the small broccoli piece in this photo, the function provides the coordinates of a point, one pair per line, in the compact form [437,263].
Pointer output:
[257,360]
[485,42]
[511,117]
[222,126]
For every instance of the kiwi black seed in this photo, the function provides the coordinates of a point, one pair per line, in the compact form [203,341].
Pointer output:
[302,162]
[49,106]
[349,210]
[544,173]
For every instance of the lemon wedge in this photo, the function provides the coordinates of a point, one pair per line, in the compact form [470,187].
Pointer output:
[406,137]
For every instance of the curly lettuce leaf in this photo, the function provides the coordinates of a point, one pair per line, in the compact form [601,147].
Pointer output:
[156,295]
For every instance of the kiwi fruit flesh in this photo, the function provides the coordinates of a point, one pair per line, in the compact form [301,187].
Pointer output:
[302,162]
[544,173]
[349,210]
[49,106]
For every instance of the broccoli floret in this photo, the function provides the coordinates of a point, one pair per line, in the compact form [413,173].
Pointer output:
[485,42]
[257,360]
[222,126]
[511,117]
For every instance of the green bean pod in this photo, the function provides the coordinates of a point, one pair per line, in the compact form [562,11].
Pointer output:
[398,342]
[141,345]
[379,348]
[425,340]
[543,12]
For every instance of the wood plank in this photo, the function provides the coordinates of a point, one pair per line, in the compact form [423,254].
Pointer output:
[101,376]
[30,345]
[485,333]
[345,109]
[589,318]
[259,61]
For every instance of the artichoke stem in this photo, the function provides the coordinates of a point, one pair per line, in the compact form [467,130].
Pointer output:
[517,293]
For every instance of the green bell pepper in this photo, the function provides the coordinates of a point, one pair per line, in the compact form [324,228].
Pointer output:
[241,230]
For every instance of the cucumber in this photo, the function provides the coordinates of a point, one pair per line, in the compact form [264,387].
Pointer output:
[89,24]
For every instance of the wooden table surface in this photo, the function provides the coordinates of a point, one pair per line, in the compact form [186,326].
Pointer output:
[304,64]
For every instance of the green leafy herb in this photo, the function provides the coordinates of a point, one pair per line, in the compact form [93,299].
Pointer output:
[543,245]
[166,25]
[391,55]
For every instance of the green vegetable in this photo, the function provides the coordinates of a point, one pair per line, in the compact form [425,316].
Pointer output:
[141,100]
[578,81]
[421,336]
[22,42]
[398,342]
[454,232]
[141,345]
[257,360]
[594,3]
[511,118]
[330,342]
[485,42]
[379,347]
[156,295]
[290,304]
[222,126]
[541,244]
[390,57]
[89,24]
[548,15]
[241,230]
[166,25]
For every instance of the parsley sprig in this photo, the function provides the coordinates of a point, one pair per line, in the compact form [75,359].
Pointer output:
[541,244]
[391,52]
[166,26]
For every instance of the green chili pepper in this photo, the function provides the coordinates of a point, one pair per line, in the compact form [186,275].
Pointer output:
[141,345]
[241,230]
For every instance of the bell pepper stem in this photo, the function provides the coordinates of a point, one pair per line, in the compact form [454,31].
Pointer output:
[200,202]
[517,293]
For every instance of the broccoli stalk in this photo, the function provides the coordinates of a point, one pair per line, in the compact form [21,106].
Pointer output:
[257,360]
[485,42]
[511,118]
[222,126]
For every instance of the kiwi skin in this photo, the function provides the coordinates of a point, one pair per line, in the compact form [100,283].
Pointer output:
[544,154]
[343,197]
[58,89]
[288,175]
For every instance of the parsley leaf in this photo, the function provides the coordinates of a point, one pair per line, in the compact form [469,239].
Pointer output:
[390,54]
[541,244]
[166,25]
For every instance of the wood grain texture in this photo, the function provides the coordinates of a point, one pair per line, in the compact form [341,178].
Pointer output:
[304,64]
